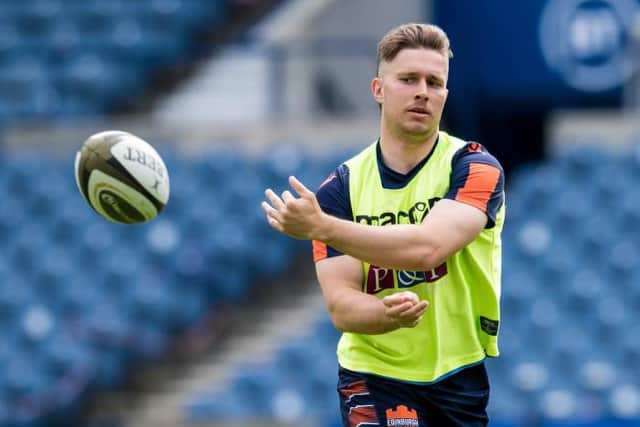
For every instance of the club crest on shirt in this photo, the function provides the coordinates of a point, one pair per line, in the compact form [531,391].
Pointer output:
[402,416]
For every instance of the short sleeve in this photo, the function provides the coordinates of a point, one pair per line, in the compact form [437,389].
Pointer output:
[477,179]
[334,199]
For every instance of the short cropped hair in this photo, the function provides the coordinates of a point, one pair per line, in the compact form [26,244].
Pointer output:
[412,36]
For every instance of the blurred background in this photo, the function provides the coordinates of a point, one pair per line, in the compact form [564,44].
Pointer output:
[206,317]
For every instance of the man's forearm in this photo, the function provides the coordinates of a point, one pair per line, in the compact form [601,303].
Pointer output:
[360,313]
[401,247]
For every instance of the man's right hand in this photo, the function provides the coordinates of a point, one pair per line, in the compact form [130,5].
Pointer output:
[405,308]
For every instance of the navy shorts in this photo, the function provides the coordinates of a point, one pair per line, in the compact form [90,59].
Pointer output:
[458,400]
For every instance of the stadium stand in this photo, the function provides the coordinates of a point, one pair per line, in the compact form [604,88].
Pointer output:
[84,58]
[83,299]
[570,300]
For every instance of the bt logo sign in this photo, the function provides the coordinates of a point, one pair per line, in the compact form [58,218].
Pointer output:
[589,42]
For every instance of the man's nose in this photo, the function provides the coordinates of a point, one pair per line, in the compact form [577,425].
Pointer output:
[422,90]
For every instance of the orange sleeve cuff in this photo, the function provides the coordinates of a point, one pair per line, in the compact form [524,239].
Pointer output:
[319,250]
[479,186]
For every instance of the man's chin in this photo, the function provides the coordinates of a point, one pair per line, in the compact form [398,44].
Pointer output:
[412,130]
[418,131]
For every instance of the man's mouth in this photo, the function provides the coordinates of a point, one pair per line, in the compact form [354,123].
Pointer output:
[419,110]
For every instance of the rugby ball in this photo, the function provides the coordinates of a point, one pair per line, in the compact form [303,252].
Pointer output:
[122,177]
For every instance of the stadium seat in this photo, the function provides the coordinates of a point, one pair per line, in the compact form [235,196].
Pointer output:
[178,15]
[15,294]
[152,304]
[205,406]
[78,298]
[36,16]
[25,376]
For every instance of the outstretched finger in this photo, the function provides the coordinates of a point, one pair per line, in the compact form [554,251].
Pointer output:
[269,210]
[299,187]
[276,202]
[274,223]
[287,196]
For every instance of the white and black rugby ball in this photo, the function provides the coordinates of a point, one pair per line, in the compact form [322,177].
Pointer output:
[122,177]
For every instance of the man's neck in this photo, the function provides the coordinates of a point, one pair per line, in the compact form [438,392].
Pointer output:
[401,155]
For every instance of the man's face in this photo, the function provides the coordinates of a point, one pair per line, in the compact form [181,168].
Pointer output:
[412,92]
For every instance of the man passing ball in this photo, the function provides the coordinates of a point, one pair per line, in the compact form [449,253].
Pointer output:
[406,240]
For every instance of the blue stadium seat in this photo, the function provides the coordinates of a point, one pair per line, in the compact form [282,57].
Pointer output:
[98,13]
[10,43]
[66,356]
[14,296]
[78,297]
[152,303]
[597,376]
[29,246]
[269,257]
[624,257]
[581,162]
[607,422]
[255,387]
[206,405]
[190,305]
[226,282]
[52,273]
[581,293]
[25,376]
[23,83]
[111,367]
[63,40]
[217,164]
[281,162]
[178,15]
[36,16]
[570,346]
[97,81]
[189,265]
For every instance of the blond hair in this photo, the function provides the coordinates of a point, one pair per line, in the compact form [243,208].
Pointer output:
[412,36]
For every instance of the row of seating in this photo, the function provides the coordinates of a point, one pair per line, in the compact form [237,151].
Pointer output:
[68,58]
[40,15]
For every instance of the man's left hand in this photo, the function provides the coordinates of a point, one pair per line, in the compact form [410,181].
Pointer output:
[298,217]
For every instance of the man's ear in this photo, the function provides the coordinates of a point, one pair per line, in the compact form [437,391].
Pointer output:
[376,90]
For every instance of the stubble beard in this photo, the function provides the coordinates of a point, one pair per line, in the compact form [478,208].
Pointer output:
[414,133]
[409,131]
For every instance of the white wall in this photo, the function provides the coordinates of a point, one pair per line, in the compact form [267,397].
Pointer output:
[338,46]
[269,85]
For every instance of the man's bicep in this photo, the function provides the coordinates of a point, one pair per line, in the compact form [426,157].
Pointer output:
[452,225]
